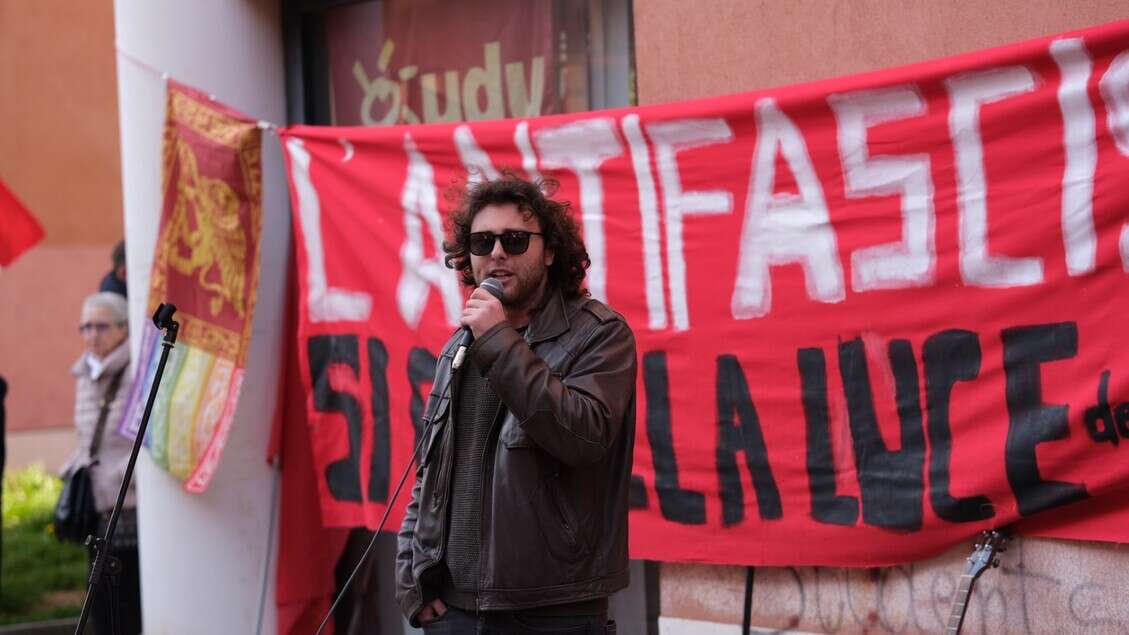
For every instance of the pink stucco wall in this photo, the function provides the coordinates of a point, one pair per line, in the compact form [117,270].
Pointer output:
[704,48]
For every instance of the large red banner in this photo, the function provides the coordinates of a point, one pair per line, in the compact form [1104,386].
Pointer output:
[874,314]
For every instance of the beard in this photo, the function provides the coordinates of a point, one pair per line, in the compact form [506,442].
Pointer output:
[523,289]
[526,292]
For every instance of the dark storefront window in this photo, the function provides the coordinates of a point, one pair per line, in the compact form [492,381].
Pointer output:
[383,62]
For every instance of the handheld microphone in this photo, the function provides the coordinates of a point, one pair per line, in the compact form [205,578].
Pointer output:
[466,338]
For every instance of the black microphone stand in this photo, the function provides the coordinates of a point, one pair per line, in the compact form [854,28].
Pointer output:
[103,562]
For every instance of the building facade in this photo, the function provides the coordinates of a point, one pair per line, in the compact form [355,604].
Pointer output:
[319,62]
[59,154]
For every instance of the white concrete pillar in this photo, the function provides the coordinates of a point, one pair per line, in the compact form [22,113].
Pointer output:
[207,561]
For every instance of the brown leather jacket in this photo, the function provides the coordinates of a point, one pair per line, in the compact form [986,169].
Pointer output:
[556,469]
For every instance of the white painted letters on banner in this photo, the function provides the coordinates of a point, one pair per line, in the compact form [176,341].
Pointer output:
[968,93]
[325,304]
[784,228]
[1114,86]
[670,138]
[419,274]
[1081,146]
[649,219]
[911,261]
[582,146]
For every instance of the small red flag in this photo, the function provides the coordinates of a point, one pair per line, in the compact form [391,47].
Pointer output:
[19,230]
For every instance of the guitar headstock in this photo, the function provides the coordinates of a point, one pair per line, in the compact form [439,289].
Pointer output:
[986,554]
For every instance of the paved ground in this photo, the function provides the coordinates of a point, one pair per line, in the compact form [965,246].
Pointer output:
[53,627]
[48,446]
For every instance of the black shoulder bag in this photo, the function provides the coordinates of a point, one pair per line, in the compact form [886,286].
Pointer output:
[75,514]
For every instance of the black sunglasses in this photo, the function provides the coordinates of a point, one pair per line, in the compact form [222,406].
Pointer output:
[514,242]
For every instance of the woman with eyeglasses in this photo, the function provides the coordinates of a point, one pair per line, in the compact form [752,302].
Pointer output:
[102,382]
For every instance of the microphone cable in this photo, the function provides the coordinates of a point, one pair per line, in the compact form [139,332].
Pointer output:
[494,288]
[376,534]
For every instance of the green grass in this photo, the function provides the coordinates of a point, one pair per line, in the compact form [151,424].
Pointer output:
[41,578]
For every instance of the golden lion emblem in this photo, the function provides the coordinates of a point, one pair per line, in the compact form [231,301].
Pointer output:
[205,224]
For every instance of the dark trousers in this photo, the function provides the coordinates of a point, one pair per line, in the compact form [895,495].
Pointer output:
[126,597]
[459,622]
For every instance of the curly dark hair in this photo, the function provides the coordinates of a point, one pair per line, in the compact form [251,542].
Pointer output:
[559,231]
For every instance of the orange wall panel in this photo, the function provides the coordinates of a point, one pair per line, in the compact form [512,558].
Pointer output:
[685,50]
[59,153]
[58,103]
[39,338]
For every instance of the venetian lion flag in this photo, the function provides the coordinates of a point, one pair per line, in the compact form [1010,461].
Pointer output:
[207,264]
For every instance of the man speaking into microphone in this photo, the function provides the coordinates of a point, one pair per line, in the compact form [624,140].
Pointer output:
[518,517]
